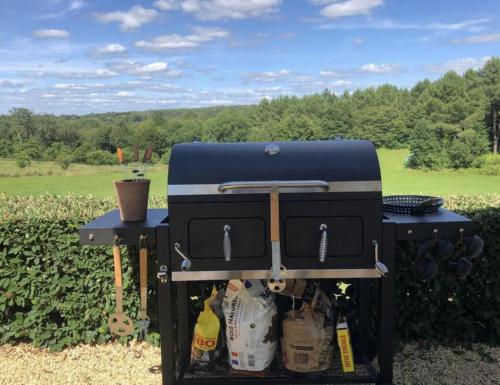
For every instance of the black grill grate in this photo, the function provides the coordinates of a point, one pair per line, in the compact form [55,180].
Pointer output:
[411,204]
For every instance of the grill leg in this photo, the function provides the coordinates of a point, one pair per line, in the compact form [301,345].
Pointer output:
[165,310]
[386,327]
[183,323]
[364,316]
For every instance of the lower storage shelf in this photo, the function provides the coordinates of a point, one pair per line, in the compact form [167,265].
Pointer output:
[365,373]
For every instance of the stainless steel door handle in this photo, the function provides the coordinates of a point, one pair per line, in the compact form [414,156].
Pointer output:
[223,187]
[186,263]
[226,243]
[379,266]
[323,243]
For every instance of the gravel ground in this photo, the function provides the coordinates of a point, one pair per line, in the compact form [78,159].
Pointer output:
[137,364]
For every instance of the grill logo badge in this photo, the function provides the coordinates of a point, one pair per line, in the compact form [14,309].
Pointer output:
[272,149]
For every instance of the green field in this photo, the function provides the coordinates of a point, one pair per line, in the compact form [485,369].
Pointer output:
[80,179]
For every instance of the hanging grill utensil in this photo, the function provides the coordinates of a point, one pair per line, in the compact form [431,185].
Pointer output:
[143,321]
[119,323]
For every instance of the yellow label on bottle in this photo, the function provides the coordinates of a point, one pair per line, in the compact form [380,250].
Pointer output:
[206,330]
[344,342]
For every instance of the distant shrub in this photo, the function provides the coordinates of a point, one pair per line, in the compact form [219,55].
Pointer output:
[5,148]
[81,152]
[31,148]
[490,164]
[165,158]
[23,160]
[100,157]
[466,150]
[64,160]
[426,151]
[54,150]
[445,146]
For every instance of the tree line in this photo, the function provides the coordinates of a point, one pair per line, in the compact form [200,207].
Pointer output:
[449,122]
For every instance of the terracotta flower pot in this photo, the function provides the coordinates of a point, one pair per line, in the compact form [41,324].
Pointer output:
[132,196]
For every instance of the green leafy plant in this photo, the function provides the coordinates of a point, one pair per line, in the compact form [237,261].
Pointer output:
[56,293]
[64,160]
[23,160]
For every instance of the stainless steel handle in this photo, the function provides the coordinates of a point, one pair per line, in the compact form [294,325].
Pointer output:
[379,266]
[226,244]
[226,186]
[186,263]
[323,243]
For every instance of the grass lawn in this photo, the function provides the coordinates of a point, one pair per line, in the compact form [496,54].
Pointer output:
[398,179]
[81,179]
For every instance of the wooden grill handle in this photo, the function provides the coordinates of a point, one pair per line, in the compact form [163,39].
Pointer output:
[118,265]
[143,275]
[275,214]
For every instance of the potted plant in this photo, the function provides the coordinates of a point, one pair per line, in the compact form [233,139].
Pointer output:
[132,192]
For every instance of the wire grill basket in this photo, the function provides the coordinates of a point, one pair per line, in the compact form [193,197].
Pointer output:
[411,204]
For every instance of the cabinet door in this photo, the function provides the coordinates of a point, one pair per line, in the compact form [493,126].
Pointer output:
[351,228]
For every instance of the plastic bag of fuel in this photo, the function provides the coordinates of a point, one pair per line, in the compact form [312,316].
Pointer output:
[251,323]
[207,336]
[307,342]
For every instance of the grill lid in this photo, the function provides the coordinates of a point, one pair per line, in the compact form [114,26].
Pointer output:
[194,167]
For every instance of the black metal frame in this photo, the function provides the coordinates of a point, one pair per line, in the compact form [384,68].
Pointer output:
[395,227]
[173,372]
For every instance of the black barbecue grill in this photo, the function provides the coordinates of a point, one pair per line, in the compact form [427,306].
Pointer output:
[244,191]
[275,211]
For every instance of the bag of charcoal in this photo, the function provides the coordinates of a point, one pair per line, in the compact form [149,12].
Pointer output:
[251,327]
[307,342]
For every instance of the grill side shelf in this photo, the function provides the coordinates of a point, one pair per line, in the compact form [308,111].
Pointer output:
[102,230]
[413,227]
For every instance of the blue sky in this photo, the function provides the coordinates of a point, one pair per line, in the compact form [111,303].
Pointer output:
[81,56]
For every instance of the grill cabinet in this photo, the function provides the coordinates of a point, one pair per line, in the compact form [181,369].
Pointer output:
[334,185]
[264,211]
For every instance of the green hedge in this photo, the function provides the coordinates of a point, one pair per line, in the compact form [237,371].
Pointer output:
[55,293]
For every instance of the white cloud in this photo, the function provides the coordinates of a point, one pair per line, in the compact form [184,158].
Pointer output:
[111,49]
[228,9]
[267,76]
[472,25]
[104,73]
[77,86]
[341,84]
[329,74]
[476,39]
[381,69]
[76,4]
[349,8]
[130,20]
[358,40]
[150,68]
[199,36]
[83,74]
[124,94]
[13,83]
[68,86]
[51,33]
[73,7]
[457,65]
[144,71]
[165,5]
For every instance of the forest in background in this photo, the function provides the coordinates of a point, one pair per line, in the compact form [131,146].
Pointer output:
[447,123]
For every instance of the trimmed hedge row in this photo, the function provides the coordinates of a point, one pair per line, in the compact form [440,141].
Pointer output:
[55,292]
